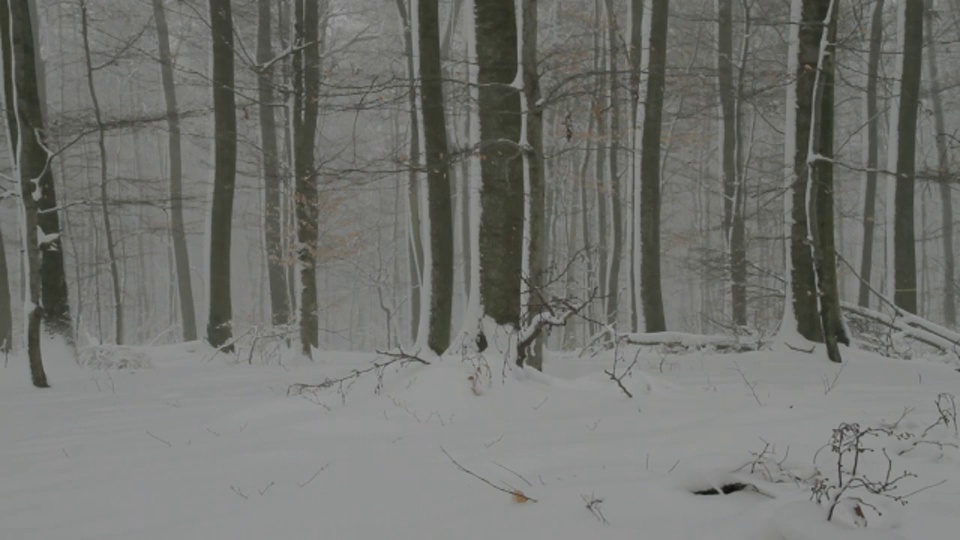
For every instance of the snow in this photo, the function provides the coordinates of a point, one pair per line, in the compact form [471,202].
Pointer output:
[187,445]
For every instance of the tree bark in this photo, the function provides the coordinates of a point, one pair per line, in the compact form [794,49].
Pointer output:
[219,325]
[537,254]
[501,165]
[616,219]
[650,286]
[905,249]
[178,234]
[104,196]
[306,73]
[873,144]
[6,305]
[943,174]
[635,56]
[30,163]
[415,245]
[272,224]
[438,179]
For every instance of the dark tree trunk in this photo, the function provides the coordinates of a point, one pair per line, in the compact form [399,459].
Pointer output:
[815,289]
[616,219]
[501,165]
[635,56]
[306,73]
[30,160]
[56,301]
[873,144]
[438,179]
[537,255]
[415,244]
[272,224]
[904,242]
[943,177]
[600,184]
[104,196]
[650,286]
[6,310]
[219,326]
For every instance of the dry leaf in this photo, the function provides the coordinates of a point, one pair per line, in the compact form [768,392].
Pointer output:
[519,497]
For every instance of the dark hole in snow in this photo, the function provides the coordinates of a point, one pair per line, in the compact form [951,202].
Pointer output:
[725,489]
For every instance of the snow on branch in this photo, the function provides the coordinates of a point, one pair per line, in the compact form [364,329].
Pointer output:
[689,341]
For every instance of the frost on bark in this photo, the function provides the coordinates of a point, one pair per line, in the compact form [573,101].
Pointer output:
[501,164]
[34,157]
[537,255]
[872,158]
[816,303]
[219,325]
[650,286]
[178,235]
[904,243]
[30,163]
[306,91]
[438,179]
[943,176]
[272,224]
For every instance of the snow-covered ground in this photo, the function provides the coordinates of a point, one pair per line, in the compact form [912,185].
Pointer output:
[193,447]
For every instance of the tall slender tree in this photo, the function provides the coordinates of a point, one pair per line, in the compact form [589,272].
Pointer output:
[904,243]
[616,219]
[501,165]
[815,295]
[943,174]
[104,193]
[872,152]
[220,324]
[537,250]
[272,180]
[6,305]
[438,179]
[650,285]
[635,56]
[178,234]
[306,77]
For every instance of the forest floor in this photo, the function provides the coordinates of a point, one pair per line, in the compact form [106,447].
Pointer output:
[179,445]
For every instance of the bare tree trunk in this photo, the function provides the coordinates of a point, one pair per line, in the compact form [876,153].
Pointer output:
[943,173]
[635,55]
[104,196]
[306,73]
[438,179]
[905,248]
[272,225]
[219,326]
[537,254]
[6,310]
[598,110]
[650,286]
[415,248]
[872,161]
[616,219]
[501,166]
[29,159]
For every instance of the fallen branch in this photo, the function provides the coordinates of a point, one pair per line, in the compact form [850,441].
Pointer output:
[688,341]
[394,358]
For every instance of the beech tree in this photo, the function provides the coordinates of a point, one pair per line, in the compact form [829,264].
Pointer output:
[501,165]
[439,211]
[178,236]
[220,324]
[29,156]
[871,161]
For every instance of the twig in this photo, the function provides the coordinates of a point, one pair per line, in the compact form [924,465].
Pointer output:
[316,474]
[515,473]
[400,357]
[265,489]
[519,495]
[751,385]
[593,505]
[159,439]
[238,492]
